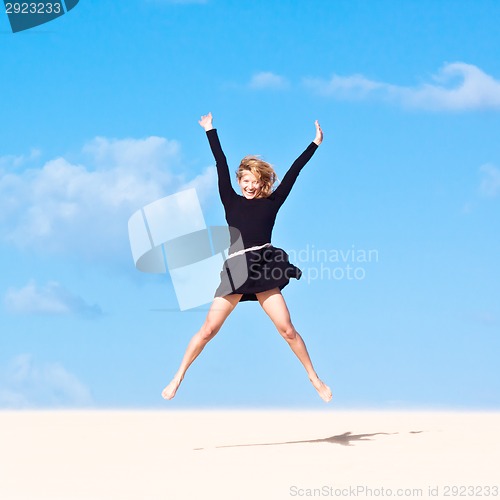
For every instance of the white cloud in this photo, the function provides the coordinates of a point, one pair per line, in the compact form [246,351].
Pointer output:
[457,86]
[26,383]
[52,298]
[129,154]
[267,80]
[353,87]
[83,208]
[490,182]
[489,187]
[13,161]
[204,183]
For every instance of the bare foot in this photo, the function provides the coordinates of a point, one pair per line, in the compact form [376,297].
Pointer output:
[323,390]
[171,389]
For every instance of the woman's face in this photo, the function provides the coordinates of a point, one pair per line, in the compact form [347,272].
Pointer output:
[250,185]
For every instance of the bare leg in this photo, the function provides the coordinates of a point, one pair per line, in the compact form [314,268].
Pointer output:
[274,305]
[220,309]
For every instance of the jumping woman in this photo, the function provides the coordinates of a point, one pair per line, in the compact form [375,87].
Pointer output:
[254,269]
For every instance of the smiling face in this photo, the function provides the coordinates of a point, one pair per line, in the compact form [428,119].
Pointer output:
[255,177]
[250,185]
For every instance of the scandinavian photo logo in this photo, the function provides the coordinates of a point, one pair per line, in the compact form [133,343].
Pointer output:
[170,236]
[25,15]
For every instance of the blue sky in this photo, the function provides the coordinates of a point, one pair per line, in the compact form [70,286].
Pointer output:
[99,111]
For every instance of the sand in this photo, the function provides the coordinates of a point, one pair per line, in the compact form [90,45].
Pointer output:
[240,455]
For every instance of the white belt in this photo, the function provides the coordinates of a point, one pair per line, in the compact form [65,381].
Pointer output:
[241,252]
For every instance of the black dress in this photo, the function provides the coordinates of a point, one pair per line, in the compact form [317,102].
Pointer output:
[251,223]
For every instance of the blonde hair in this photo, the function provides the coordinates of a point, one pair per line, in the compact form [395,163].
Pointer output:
[263,171]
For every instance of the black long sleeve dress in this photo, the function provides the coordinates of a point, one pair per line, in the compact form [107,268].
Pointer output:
[251,222]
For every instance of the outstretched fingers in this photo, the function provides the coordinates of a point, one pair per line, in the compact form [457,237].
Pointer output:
[206,121]
[319,133]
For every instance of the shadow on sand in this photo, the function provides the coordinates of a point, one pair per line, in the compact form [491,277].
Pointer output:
[346,439]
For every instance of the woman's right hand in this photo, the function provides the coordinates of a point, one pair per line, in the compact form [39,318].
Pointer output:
[206,122]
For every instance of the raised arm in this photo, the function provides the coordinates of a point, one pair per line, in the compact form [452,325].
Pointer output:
[226,190]
[283,190]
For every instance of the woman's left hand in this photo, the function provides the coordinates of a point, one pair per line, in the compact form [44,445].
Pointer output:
[319,134]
